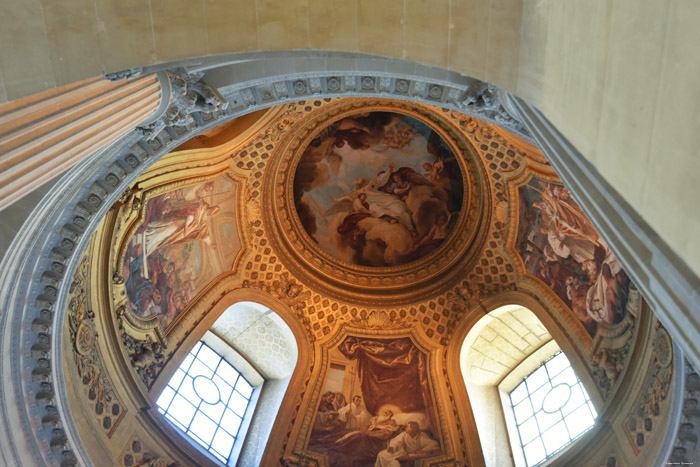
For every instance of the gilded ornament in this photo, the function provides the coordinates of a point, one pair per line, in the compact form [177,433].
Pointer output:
[84,338]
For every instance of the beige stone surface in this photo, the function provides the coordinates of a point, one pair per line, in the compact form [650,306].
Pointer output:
[124,33]
[179,29]
[629,100]
[3,92]
[499,342]
[469,29]
[283,25]
[427,36]
[68,25]
[532,60]
[381,27]
[231,25]
[486,402]
[671,190]
[26,58]
[333,24]
[503,42]
[574,70]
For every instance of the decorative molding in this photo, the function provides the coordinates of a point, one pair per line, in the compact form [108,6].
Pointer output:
[136,456]
[145,355]
[380,320]
[686,448]
[190,98]
[83,336]
[472,97]
[124,74]
[610,350]
[641,423]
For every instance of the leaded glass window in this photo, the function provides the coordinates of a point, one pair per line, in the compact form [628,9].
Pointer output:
[207,398]
[551,409]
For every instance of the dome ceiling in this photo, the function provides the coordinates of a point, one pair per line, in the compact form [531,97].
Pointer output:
[365,219]
[370,203]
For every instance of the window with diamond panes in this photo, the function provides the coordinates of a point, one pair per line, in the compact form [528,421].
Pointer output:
[207,398]
[551,409]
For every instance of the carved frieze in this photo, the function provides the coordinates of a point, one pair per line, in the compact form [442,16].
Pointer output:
[485,99]
[643,421]
[611,348]
[84,339]
[124,74]
[686,448]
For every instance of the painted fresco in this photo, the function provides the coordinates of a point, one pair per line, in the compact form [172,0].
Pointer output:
[376,405]
[180,247]
[560,246]
[378,189]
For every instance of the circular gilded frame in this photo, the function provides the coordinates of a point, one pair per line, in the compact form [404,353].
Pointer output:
[357,283]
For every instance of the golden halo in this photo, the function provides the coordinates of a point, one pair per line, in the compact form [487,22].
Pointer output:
[394,409]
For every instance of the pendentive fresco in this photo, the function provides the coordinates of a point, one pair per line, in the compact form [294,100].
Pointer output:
[560,246]
[179,248]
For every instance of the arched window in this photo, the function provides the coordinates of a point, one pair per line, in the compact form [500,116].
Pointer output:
[208,399]
[551,408]
[527,402]
[218,387]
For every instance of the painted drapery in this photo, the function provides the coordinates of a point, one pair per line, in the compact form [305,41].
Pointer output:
[391,372]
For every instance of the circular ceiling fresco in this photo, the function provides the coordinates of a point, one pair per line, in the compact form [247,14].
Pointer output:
[374,199]
[378,189]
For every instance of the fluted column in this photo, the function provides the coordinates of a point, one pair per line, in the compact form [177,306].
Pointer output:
[44,134]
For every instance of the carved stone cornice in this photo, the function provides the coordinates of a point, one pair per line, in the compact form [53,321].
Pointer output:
[190,99]
[471,96]
[124,74]
[146,351]
[686,448]
[652,401]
